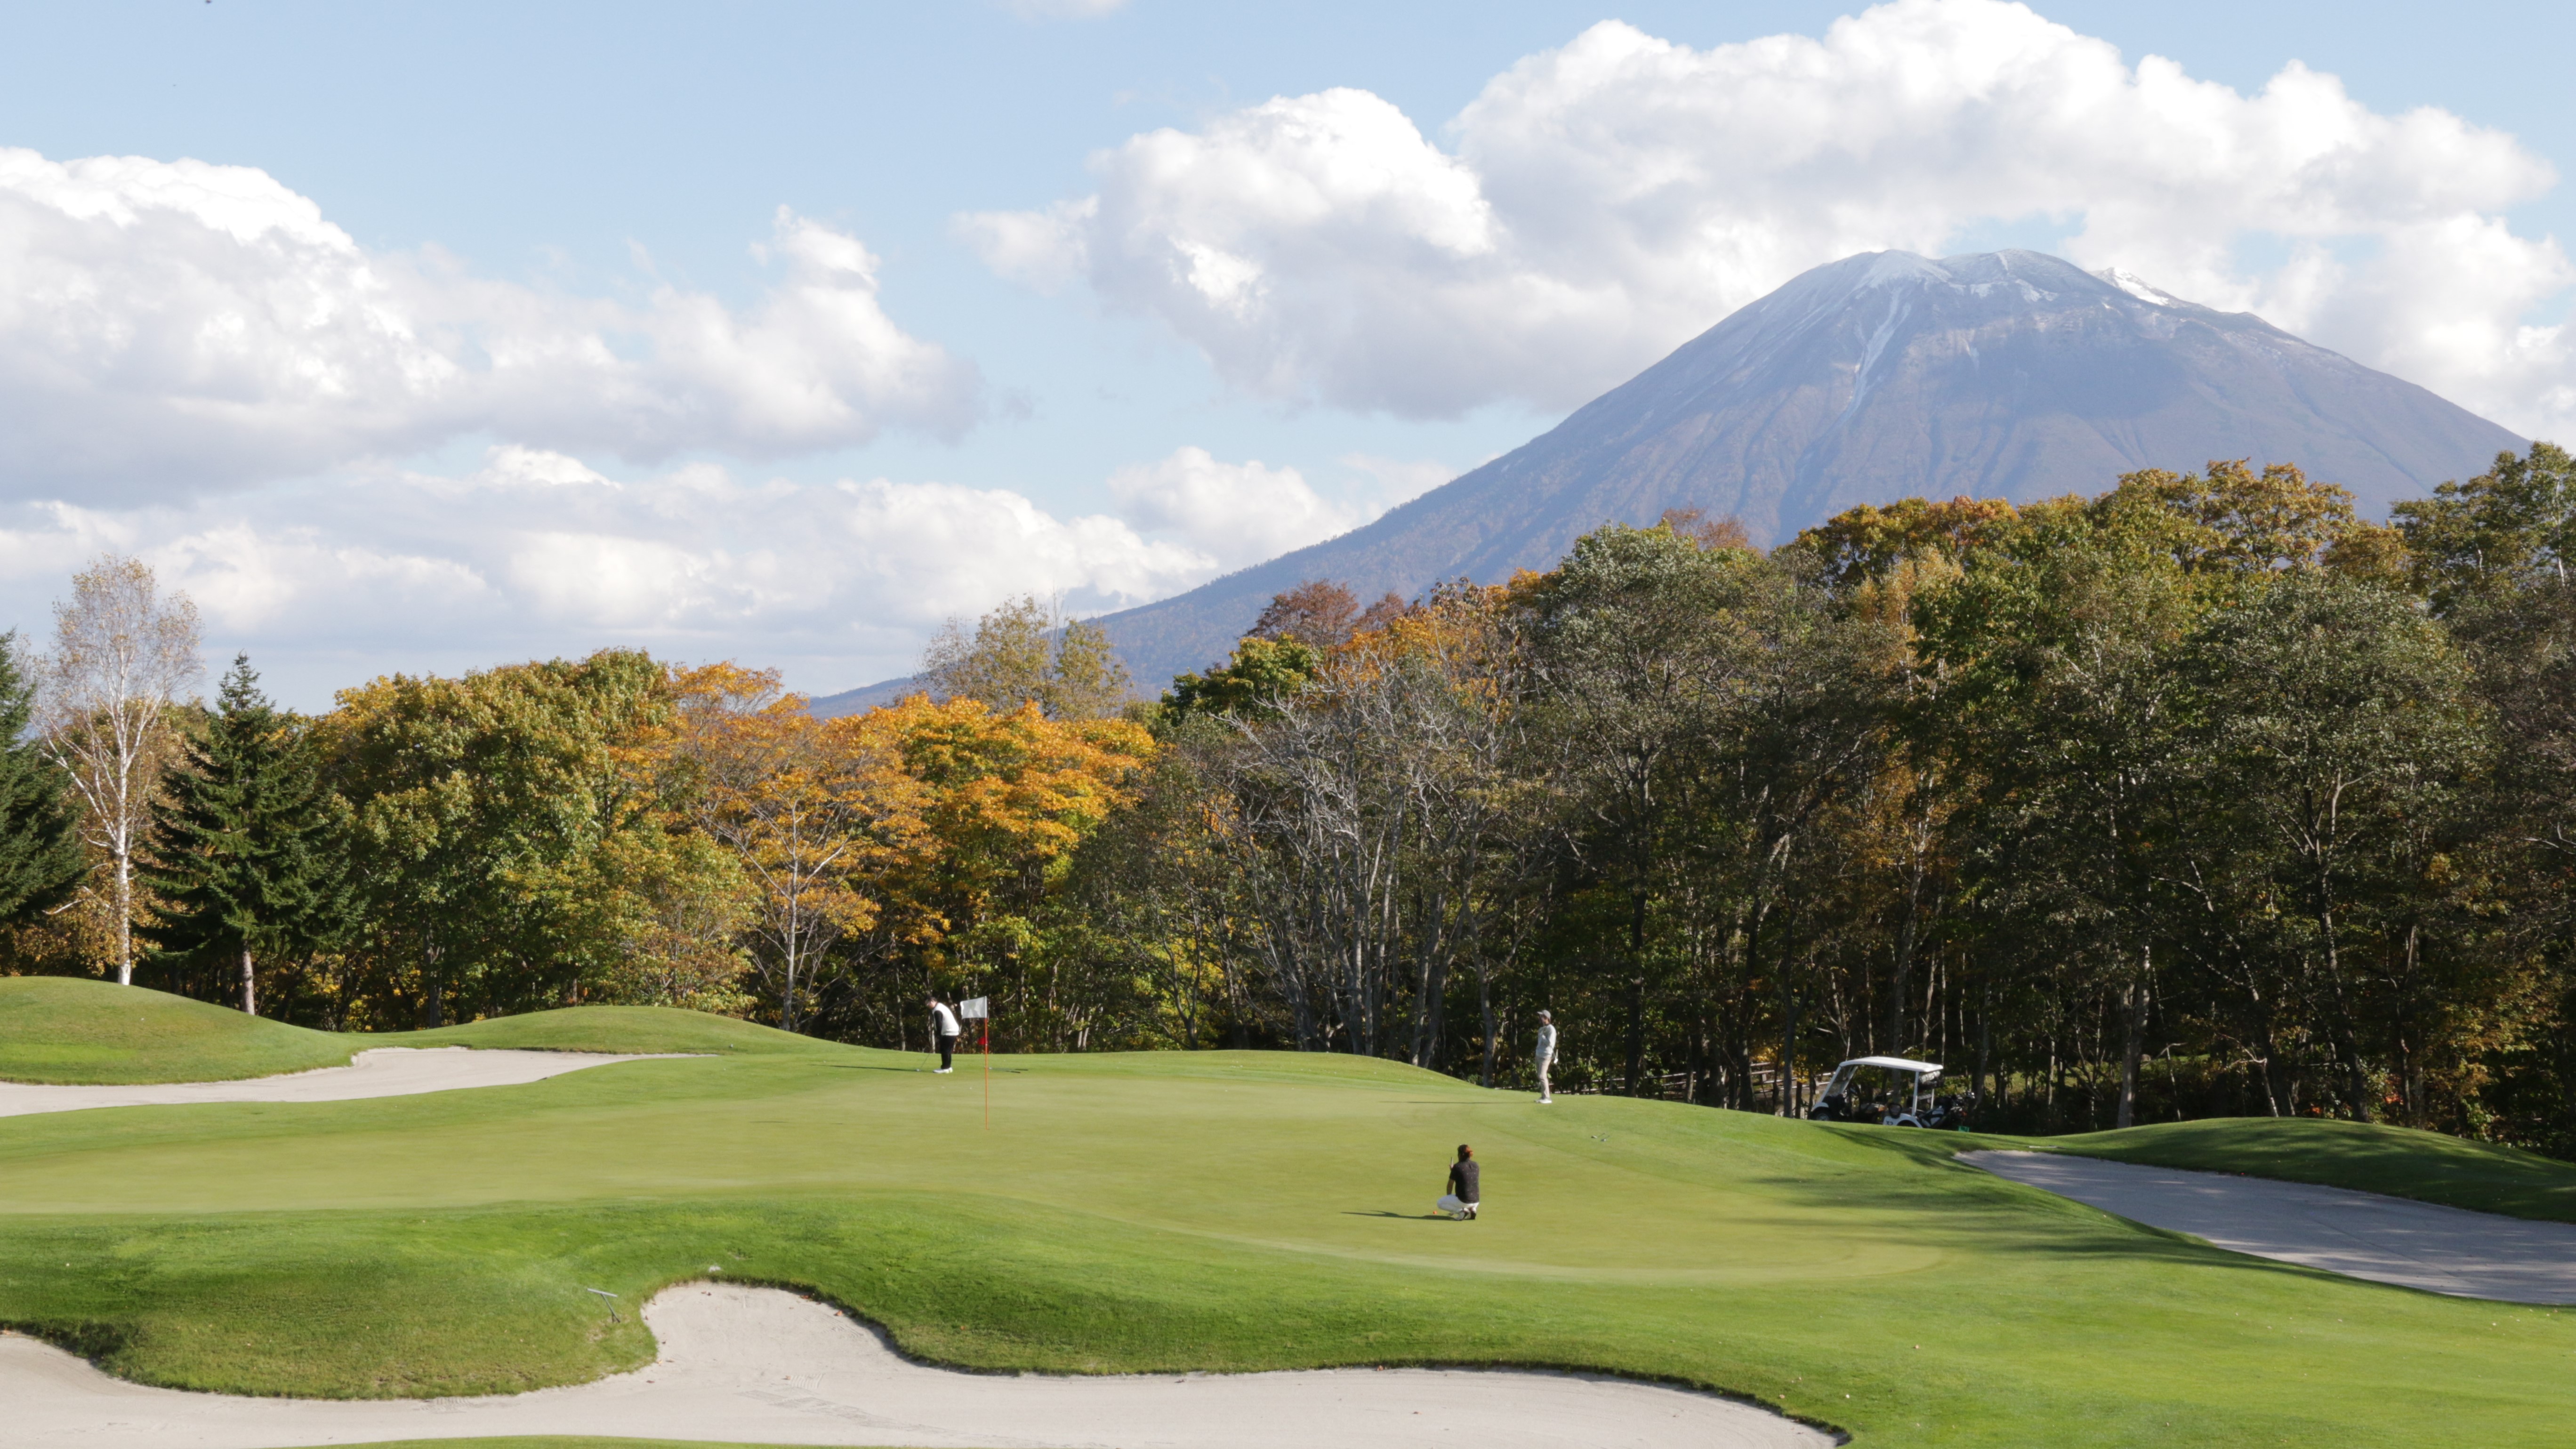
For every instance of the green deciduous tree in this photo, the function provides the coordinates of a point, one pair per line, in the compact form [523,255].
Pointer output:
[1028,652]
[2337,730]
[479,812]
[1262,675]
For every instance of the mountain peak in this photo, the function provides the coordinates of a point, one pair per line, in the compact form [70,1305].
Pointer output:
[2138,287]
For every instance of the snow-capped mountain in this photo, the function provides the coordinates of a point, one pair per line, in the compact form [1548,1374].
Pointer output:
[2005,374]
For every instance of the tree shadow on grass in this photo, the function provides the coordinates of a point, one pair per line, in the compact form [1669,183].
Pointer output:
[1919,1190]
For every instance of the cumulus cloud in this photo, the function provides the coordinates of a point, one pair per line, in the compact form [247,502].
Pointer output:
[536,553]
[1237,513]
[173,324]
[1598,204]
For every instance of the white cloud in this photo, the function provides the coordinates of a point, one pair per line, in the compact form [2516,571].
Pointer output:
[535,553]
[1600,203]
[167,325]
[946,550]
[1238,513]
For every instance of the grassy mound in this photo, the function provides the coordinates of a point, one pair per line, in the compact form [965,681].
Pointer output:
[75,1030]
[612,1029]
[2397,1161]
[1216,1211]
[59,1029]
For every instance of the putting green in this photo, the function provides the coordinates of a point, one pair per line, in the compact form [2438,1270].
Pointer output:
[1216,1211]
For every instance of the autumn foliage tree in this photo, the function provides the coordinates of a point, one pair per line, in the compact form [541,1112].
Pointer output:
[1004,800]
[814,813]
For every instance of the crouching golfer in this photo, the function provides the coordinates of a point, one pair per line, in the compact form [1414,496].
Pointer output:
[1546,1054]
[943,1025]
[1462,1181]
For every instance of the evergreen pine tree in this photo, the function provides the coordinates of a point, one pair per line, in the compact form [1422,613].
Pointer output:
[40,854]
[242,863]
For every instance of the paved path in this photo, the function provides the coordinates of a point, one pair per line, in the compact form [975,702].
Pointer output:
[757,1365]
[2363,1234]
[381,1072]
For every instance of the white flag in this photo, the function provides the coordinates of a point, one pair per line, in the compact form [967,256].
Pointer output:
[973,1010]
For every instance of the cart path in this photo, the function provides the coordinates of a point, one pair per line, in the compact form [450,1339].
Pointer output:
[377,1072]
[759,1365]
[2360,1234]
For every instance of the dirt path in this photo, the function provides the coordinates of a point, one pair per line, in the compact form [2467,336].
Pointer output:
[757,1365]
[382,1072]
[2362,1234]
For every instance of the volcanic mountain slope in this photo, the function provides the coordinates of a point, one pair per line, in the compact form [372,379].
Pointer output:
[2005,374]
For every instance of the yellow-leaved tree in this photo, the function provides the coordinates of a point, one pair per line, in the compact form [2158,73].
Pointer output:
[1004,800]
[814,812]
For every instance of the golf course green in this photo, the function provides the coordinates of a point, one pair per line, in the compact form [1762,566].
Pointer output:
[1215,1210]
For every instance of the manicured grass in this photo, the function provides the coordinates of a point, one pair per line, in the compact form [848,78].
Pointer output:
[2395,1160]
[613,1029]
[1213,1211]
[81,1031]
[70,1029]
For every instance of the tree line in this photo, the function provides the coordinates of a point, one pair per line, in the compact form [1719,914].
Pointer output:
[609,830]
[2201,796]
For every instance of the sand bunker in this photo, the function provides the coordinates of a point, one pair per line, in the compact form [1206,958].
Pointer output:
[382,1072]
[2363,1234]
[758,1365]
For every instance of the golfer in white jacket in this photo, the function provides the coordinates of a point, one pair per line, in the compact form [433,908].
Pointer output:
[943,1025]
[1546,1054]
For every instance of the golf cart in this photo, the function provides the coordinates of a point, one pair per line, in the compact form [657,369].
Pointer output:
[1891,1091]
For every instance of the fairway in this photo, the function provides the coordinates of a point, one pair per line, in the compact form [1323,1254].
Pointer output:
[1218,1211]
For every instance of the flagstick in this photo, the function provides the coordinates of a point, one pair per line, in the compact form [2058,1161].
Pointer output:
[988,1073]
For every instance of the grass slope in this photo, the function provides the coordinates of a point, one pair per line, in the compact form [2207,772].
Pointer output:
[613,1029]
[2398,1161]
[75,1030]
[1213,1211]
[86,1032]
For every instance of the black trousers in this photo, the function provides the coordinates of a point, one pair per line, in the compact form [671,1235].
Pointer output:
[947,1050]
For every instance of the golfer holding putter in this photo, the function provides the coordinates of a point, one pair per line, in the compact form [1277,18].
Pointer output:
[1546,1054]
[943,1024]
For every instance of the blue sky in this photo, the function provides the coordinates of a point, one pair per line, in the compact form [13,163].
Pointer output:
[549,159]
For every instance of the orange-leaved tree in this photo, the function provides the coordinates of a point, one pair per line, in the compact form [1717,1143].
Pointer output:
[1004,799]
[814,810]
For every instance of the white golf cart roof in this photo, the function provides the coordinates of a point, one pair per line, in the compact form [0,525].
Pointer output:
[1894,1064]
